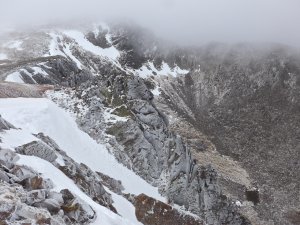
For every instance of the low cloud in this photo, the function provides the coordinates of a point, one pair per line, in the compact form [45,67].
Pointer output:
[183,21]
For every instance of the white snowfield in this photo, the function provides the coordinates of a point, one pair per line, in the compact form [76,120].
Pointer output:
[14,77]
[42,115]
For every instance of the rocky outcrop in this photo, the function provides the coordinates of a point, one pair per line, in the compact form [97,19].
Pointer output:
[8,158]
[39,149]
[153,212]
[76,210]
[86,179]
[4,125]
[144,143]
[241,100]
[25,197]
[113,185]
[14,208]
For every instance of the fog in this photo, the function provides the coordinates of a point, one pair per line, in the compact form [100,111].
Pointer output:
[183,21]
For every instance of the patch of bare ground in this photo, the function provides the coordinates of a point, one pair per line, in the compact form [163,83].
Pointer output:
[15,90]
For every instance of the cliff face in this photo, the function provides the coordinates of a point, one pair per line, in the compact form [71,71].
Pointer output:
[144,143]
[216,129]
[247,104]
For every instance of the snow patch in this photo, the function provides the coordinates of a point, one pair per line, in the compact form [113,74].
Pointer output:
[156,91]
[109,117]
[14,77]
[54,48]
[149,69]
[38,70]
[124,207]
[110,53]
[238,203]
[15,137]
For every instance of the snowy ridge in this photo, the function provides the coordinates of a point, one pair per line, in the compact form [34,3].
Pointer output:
[42,115]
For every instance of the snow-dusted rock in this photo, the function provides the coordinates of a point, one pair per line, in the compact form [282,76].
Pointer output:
[88,181]
[22,172]
[234,95]
[15,210]
[154,152]
[76,210]
[4,125]
[39,149]
[8,156]
[37,182]
[3,176]
[36,196]
[114,185]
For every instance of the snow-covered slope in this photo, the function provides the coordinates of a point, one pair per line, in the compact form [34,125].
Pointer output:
[42,115]
[32,116]
[179,127]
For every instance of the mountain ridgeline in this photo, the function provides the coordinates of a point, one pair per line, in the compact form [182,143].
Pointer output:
[215,128]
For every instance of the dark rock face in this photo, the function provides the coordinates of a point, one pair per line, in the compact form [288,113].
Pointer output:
[99,39]
[248,102]
[253,196]
[152,212]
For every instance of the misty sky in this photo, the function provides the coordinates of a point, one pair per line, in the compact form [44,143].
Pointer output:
[184,21]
